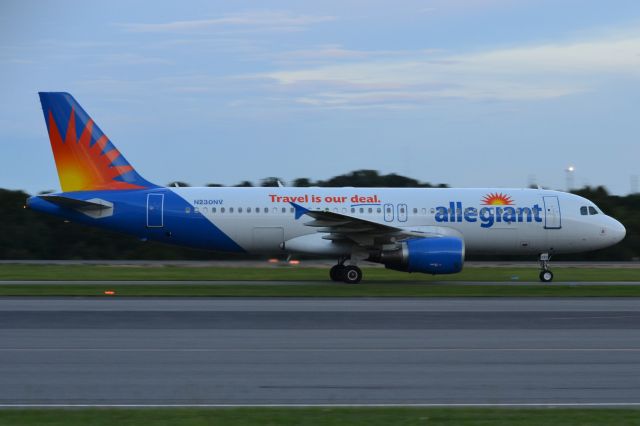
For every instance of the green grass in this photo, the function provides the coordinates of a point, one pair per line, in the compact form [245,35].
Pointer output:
[378,282]
[321,290]
[321,416]
[105,272]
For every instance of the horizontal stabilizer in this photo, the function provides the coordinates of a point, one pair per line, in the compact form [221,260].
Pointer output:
[72,203]
[95,207]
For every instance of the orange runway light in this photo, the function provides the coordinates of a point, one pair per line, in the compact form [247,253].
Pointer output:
[294,262]
[273,260]
[109,292]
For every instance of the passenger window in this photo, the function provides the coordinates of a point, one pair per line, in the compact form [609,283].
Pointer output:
[353,210]
[401,209]
[221,209]
[424,211]
[239,209]
[284,210]
[592,210]
[415,211]
[370,210]
[291,210]
[583,211]
[230,209]
[248,209]
[213,209]
[275,210]
[361,209]
[187,210]
[266,209]
[379,210]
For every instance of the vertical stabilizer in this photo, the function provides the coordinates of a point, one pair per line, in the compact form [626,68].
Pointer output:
[85,158]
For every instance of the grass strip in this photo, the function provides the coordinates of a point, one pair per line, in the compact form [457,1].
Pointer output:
[320,290]
[322,416]
[169,273]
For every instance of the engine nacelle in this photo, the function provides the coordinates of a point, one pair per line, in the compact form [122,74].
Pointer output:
[441,255]
[315,244]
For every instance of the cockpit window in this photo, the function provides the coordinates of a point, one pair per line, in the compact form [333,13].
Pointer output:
[583,211]
[592,210]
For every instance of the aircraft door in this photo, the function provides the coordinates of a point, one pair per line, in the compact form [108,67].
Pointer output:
[155,210]
[402,213]
[388,212]
[552,215]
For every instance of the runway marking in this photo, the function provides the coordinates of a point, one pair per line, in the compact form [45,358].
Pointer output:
[319,349]
[391,405]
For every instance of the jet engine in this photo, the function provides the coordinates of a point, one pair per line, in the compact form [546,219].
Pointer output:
[439,255]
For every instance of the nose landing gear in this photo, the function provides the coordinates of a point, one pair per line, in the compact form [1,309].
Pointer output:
[546,275]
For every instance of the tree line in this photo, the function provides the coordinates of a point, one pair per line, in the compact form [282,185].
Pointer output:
[26,234]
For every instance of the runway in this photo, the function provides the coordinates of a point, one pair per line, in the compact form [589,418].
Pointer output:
[167,351]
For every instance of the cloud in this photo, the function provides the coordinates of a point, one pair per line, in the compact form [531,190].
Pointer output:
[331,52]
[260,20]
[530,72]
[126,59]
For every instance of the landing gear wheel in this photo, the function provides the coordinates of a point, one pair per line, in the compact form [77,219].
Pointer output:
[337,272]
[546,276]
[352,274]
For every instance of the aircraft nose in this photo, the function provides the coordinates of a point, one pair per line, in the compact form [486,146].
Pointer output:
[617,231]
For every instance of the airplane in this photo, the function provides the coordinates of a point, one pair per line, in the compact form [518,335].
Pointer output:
[426,230]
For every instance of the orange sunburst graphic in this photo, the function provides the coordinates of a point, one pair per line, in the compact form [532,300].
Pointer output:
[82,166]
[497,199]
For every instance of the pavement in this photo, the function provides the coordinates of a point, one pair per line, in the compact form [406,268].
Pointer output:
[252,351]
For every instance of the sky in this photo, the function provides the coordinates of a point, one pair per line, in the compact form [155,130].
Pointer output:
[472,93]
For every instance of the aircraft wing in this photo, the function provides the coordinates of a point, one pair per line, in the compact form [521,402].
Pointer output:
[340,227]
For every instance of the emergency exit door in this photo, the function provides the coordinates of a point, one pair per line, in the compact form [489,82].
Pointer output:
[403,212]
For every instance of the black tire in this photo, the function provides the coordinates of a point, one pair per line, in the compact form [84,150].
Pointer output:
[337,272]
[546,276]
[352,274]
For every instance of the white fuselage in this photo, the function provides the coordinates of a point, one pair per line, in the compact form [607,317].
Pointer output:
[490,220]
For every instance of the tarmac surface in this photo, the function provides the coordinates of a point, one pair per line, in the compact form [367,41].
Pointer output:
[262,351]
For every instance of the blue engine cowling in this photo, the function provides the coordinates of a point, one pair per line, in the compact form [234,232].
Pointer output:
[440,255]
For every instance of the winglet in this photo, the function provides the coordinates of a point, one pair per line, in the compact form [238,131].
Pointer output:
[299,210]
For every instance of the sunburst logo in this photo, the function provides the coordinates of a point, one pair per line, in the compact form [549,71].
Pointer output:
[497,199]
[85,166]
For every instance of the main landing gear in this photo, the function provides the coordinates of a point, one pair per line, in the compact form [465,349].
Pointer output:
[546,275]
[349,274]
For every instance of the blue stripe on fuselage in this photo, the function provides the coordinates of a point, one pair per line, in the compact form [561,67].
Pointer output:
[130,216]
